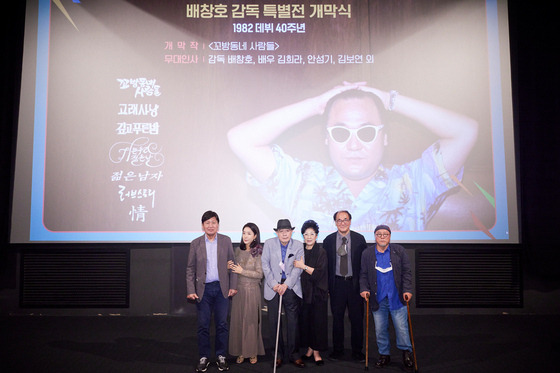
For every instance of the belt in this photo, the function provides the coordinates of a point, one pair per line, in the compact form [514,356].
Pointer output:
[345,278]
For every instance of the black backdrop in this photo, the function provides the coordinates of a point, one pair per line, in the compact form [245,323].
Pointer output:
[536,83]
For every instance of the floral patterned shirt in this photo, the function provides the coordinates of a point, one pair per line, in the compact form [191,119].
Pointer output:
[404,197]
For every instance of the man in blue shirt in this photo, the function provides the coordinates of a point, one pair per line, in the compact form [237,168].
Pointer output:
[386,274]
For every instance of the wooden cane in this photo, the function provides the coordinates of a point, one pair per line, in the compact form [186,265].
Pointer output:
[411,337]
[367,332]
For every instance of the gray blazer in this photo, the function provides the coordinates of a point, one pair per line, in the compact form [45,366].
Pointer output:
[271,258]
[196,266]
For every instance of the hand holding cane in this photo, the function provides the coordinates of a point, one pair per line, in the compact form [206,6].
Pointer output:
[411,336]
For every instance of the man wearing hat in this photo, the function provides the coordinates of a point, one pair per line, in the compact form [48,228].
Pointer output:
[281,277]
[386,275]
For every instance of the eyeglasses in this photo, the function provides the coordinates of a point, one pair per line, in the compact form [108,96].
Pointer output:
[341,221]
[366,134]
[382,235]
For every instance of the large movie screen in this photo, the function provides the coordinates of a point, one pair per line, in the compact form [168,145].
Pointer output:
[137,116]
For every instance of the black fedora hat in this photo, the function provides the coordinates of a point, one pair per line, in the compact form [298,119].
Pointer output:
[284,224]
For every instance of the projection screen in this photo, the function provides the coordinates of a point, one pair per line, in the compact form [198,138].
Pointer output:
[137,116]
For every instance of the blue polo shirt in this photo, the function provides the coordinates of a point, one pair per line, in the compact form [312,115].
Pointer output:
[386,287]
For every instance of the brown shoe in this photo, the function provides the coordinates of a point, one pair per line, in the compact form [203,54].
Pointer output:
[278,363]
[299,363]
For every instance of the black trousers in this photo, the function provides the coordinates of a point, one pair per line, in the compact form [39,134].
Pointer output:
[291,304]
[314,326]
[345,296]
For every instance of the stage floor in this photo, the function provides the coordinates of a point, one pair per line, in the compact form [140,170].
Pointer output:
[444,343]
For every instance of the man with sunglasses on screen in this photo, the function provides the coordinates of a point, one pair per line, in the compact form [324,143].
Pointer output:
[406,196]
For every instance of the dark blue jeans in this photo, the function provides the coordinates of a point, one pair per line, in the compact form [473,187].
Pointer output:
[212,302]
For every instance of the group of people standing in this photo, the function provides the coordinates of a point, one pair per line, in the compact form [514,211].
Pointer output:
[299,278]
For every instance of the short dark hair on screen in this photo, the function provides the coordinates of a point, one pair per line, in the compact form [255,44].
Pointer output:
[356,94]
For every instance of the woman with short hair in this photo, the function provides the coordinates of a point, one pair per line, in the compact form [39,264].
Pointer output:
[314,282]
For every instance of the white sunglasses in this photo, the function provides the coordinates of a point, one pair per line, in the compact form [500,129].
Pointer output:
[366,134]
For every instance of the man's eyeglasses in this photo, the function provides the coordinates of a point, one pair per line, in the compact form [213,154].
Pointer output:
[382,235]
[341,221]
[366,134]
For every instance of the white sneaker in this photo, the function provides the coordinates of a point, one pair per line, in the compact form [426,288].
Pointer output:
[222,363]
[203,364]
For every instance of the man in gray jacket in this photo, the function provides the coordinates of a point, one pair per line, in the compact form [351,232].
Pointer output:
[210,284]
[281,278]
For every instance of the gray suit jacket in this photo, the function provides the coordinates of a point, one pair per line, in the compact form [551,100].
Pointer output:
[271,258]
[196,266]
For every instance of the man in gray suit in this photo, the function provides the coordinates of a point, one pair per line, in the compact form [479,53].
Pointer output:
[281,278]
[210,284]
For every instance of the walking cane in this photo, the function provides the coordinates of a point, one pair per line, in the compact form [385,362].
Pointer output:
[411,337]
[367,332]
[277,333]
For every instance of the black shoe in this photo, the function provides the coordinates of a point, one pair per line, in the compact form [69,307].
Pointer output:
[359,356]
[202,364]
[222,363]
[336,355]
[408,360]
[320,362]
[305,357]
[382,361]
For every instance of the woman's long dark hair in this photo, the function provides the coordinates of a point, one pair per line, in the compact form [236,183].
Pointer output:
[255,246]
